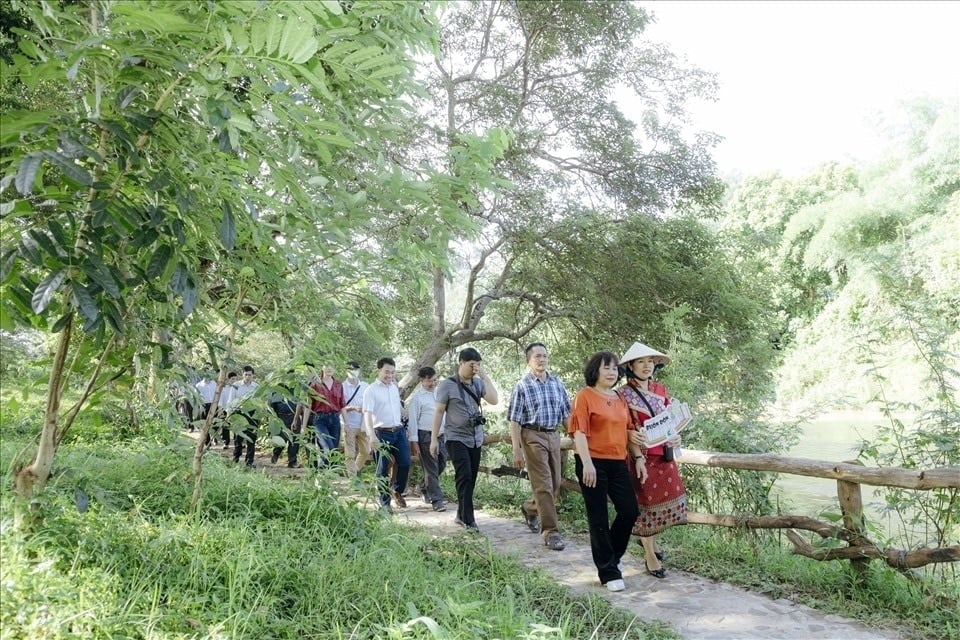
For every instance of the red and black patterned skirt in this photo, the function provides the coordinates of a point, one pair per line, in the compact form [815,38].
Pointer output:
[662,498]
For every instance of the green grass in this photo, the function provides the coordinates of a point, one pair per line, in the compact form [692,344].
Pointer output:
[263,558]
[288,559]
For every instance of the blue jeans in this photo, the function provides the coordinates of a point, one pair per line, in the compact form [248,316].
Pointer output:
[393,444]
[326,430]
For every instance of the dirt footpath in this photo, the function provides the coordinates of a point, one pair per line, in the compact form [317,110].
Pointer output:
[697,608]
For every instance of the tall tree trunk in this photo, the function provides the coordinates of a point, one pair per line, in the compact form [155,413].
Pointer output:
[440,341]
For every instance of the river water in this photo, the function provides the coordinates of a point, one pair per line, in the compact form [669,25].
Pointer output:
[832,438]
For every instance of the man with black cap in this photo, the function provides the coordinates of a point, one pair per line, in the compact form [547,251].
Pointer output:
[458,408]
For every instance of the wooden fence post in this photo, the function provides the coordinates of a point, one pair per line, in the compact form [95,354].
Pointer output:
[851,506]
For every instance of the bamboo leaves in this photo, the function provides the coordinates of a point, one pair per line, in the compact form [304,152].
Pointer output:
[71,170]
[158,262]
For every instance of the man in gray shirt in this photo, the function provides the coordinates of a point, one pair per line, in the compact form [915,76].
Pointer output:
[458,405]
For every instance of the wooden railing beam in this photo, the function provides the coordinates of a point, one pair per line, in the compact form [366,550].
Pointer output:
[936,478]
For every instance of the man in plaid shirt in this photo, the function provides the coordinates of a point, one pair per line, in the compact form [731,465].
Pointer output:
[538,405]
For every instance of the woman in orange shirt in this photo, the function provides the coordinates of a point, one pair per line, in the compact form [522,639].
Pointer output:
[598,425]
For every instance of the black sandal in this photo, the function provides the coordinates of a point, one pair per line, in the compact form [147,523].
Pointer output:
[661,556]
[656,573]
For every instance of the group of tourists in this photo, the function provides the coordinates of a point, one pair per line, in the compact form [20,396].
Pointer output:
[205,403]
[443,419]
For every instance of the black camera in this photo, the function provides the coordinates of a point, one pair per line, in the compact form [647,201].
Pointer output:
[478,420]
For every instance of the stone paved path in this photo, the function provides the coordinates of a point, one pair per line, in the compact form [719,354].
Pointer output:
[697,608]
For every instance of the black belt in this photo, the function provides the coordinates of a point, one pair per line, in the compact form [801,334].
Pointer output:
[536,427]
[389,429]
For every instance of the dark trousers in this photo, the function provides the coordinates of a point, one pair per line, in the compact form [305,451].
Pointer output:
[249,437]
[185,409]
[393,445]
[466,466]
[203,412]
[290,437]
[224,426]
[432,467]
[608,542]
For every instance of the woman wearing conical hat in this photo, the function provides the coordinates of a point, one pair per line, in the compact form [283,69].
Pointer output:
[661,496]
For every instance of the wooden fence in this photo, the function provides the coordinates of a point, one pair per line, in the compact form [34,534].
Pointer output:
[849,476]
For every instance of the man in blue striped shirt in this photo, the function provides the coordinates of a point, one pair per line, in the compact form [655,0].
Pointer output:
[538,404]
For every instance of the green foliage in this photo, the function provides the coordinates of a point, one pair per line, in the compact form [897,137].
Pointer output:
[158,186]
[843,250]
[118,557]
[929,439]
[205,166]
[533,87]
[864,266]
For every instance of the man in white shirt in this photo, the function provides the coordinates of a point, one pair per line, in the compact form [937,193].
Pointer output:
[356,446]
[383,416]
[248,436]
[421,407]
[228,397]
[206,387]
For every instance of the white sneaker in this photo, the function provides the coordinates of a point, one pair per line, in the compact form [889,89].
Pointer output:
[616,585]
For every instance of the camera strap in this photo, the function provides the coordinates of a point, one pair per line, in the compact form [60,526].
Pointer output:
[469,390]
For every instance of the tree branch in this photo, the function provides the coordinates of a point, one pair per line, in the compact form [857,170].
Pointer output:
[469,305]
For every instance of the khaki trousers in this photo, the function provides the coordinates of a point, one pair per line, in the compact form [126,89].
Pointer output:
[356,449]
[541,451]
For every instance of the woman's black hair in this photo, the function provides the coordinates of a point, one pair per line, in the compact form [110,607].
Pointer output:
[591,372]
